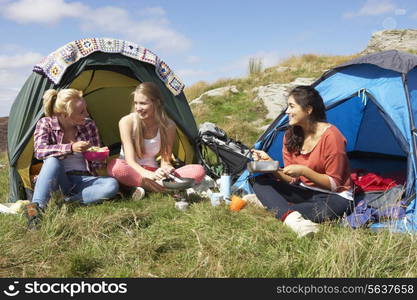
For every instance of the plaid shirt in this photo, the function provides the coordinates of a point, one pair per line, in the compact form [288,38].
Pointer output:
[49,135]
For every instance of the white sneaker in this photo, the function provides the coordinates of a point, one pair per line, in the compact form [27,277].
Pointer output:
[252,199]
[138,194]
[13,207]
[300,225]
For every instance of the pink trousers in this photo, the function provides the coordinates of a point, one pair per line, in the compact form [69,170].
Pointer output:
[126,175]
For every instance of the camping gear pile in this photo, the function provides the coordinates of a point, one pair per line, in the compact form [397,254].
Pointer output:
[230,156]
[377,198]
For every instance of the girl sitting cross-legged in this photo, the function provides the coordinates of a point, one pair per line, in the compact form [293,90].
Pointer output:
[146,133]
[315,183]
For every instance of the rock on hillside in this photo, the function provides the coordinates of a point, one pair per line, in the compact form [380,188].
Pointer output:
[403,40]
[274,95]
[222,91]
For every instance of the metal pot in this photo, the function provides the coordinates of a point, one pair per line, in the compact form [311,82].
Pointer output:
[264,166]
[185,183]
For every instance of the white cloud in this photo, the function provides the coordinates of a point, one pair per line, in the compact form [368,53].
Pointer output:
[42,11]
[11,82]
[19,60]
[400,12]
[149,27]
[373,8]
[112,19]
[14,70]
[144,31]
[192,74]
[192,59]
[152,12]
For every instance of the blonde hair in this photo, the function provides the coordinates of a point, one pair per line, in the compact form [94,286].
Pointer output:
[151,91]
[59,102]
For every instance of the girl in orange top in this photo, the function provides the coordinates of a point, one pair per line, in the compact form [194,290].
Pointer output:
[314,184]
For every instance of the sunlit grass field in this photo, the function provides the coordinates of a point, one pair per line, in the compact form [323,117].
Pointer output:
[150,238]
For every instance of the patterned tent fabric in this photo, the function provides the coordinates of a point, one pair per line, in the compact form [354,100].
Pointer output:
[54,65]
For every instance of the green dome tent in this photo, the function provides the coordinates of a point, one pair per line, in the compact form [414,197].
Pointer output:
[107,71]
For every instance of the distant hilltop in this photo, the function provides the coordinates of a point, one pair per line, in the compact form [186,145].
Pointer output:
[3,133]
[403,40]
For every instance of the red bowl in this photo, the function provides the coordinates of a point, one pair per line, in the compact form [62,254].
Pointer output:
[93,155]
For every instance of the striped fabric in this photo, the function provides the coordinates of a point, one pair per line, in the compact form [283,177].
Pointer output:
[48,138]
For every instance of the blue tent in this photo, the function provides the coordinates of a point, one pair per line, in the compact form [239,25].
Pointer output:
[373,101]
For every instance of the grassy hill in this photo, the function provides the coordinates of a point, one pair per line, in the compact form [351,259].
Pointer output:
[150,238]
[238,114]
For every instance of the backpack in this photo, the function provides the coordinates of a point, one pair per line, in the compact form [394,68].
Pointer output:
[221,154]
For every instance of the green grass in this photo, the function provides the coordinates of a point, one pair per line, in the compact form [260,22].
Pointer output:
[150,238]
[234,113]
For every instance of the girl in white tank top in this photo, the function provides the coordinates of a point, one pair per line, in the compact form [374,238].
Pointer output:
[152,147]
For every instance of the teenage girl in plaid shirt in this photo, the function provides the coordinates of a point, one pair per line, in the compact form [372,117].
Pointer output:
[59,140]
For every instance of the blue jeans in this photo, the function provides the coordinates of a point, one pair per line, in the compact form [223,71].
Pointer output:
[84,189]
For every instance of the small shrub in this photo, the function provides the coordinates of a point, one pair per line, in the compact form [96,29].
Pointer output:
[255,66]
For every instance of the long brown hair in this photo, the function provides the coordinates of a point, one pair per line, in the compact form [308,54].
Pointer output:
[151,91]
[304,95]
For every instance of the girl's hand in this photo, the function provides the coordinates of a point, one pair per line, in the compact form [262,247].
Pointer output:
[260,155]
[162,173]
[294,170]
[80,146]
[148,175]
[168,169]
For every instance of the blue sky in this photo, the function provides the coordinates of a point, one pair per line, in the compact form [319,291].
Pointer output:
[200,40]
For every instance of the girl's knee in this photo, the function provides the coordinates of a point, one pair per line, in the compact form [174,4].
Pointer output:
[52,162]
[110,187]
[112,166]
[118,167]
[194,171]
[200,173]
[104,189]
[120,170]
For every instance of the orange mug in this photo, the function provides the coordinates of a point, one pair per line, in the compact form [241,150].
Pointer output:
[237,203]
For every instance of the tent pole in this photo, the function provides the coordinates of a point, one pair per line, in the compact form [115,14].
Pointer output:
[410,111]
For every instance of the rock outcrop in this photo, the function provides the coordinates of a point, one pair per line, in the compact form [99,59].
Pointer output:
[274,95]
[403,40]
[223,91]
